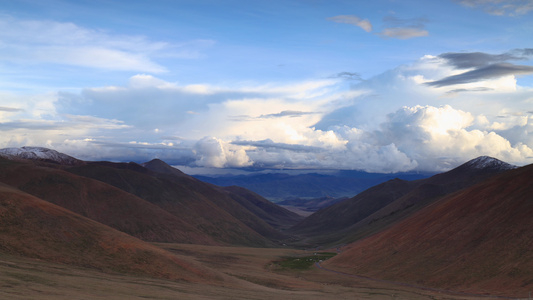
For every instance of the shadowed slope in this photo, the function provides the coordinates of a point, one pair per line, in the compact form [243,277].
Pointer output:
[477,240]
[100,202]
[35,228]
[275,215]
[199,204]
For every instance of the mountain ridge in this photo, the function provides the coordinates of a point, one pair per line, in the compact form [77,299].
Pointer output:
[39,153]
[383,204]
[160,205]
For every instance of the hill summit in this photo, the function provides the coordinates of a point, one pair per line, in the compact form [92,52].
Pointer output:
[39,153]
[487,162]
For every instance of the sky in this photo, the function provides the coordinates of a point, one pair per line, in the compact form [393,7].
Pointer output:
[380,86]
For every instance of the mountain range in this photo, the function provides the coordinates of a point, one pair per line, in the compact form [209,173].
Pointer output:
[465,230]
[378,207]
[278,187]
[154,202]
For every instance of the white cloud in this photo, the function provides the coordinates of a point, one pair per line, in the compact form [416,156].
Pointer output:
[215,153]
[426,133]
[392,122]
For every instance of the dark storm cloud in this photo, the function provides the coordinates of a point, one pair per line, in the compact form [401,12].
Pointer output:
[487,72]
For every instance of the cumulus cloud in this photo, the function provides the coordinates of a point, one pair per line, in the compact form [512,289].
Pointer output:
[353,20]
[445,132]
[389,123]
[215,153]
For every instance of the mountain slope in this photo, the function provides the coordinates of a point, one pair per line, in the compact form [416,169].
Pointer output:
[386,203]
[477,240]
[155,203]
[100,202]
[197,203]
[275,215]
[35,228]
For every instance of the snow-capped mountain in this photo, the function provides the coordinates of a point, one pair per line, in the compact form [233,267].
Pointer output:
[487,162]
[38,153]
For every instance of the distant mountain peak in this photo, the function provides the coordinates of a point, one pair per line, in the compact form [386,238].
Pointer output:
[487,162]
[38,153]
[160,166]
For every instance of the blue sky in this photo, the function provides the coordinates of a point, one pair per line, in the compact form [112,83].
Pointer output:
[381,86]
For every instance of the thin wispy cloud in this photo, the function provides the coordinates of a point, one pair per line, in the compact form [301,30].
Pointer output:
[484,66]
[40,42]
[488,72]
[353,20]
[404,28]
[286,113]
[477,59]
[501,7]
[403,33]
[348,76]
[10,109]
[269,144]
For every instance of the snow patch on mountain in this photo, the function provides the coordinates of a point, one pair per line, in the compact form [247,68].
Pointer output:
[38,153]
[487,162]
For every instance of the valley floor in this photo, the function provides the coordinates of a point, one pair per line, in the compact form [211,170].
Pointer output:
[251,273]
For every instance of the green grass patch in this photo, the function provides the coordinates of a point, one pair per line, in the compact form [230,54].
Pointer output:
[303,262]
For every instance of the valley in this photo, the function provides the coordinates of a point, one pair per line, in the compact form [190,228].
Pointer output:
[106,230]
[249,275]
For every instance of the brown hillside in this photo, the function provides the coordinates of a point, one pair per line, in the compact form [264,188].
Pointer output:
[478,240]
[35,228]
[382,205]
[275,215]
[100,202]
[197,203]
